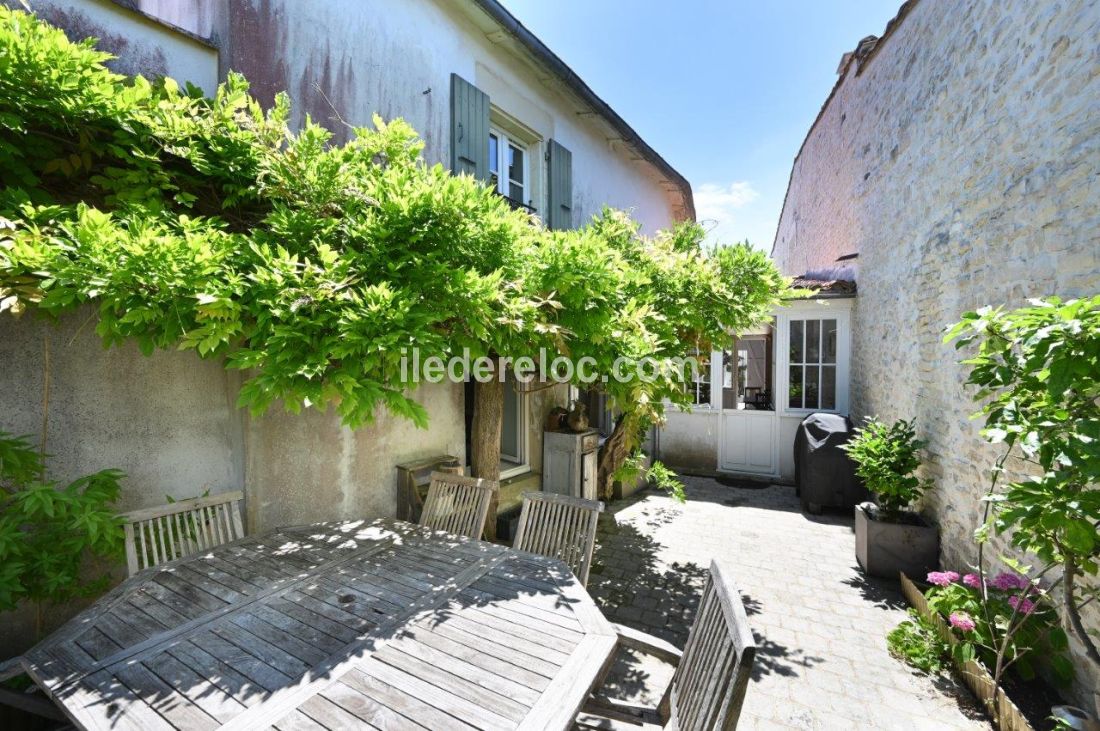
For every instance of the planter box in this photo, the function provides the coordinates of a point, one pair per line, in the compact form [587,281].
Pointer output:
[1005,713]
[886,549]
[624,491]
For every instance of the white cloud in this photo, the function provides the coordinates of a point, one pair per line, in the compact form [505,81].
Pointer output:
[717,206]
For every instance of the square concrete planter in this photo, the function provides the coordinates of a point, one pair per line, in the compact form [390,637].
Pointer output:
[621,491]
[885,549]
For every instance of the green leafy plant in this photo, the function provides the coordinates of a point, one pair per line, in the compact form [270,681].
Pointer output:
[665,479]
[886,457]
[656,474]
[206,224]
[1036,375]
[49,531]
[917,642]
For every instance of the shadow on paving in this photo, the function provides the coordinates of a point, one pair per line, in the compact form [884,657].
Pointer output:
[881,593]
[635,588]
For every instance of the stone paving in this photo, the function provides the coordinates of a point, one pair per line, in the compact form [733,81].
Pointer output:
[820,624]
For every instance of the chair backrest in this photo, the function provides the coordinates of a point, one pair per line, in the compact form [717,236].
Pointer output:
[708,687]
[165,533]
[559,526]
[458,504]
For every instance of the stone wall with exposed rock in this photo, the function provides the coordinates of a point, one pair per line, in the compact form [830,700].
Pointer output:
[960,158]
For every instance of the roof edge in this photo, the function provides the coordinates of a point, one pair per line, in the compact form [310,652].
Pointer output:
[553,62]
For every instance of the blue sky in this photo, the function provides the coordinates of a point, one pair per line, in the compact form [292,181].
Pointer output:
[725,90]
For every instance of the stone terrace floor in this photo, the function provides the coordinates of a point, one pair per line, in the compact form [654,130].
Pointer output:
[820,624]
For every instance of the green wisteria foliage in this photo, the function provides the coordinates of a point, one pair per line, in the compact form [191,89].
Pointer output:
[207,224]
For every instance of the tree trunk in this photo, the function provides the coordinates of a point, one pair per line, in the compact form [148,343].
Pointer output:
[1073,613]
[485,440]
[612,456]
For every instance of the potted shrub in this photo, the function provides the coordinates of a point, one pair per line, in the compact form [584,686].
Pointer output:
[889,536]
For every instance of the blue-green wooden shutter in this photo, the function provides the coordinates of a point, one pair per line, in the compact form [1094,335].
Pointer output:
[469,129]
[560,215]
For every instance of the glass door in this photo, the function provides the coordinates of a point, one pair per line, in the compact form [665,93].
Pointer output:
[747,442]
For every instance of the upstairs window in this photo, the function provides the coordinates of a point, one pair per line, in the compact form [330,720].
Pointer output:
[509,167]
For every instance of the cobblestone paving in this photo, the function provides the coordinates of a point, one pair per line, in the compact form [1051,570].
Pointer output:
[820,625]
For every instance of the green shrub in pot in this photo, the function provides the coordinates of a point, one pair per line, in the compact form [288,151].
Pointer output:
[886,457]
[890,538]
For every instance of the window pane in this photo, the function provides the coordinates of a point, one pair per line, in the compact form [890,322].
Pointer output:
[795,399]
[796,341]
[828,387]
[828,337]
[515,164]
[515,192]
[813,341]
[494,154]
[510,426]
[812,373]
[732,367]
[702,380]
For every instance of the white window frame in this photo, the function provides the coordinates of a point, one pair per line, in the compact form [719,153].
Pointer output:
[839,310]
[504,142]
[697,387]
[523,459]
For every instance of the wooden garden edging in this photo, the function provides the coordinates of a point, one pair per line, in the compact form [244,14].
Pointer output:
[1006,715]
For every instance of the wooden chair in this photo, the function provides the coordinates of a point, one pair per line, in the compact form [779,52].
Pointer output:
[712,673]
[458,504]
[559,527]
[165,533]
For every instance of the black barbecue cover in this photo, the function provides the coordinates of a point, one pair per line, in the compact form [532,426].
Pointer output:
[823,474]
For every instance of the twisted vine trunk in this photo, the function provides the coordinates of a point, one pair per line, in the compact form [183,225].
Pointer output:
[613,454]
[485,440]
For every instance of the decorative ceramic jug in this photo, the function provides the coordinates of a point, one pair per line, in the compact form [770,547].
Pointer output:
[578,417]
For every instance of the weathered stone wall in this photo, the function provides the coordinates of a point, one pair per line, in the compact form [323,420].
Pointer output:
[962,163]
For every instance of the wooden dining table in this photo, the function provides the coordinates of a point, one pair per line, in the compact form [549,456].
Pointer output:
[367,624]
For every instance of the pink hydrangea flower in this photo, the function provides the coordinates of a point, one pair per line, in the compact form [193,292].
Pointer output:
[962,621]
[1021,604]
[1006,581]
[942,578]
[973,581]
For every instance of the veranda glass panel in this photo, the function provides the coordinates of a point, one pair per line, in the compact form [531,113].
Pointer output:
[813,341]
[797,349]
[795,396]
[699,385]
[828,387]
[812,386]
[828,338]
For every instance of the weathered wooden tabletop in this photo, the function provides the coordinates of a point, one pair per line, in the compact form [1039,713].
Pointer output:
[340,625]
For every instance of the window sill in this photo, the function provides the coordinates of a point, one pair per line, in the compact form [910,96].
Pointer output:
[513,472]
[807,412]
[517,205]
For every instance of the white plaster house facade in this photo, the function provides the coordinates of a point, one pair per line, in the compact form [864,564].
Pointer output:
[488,98]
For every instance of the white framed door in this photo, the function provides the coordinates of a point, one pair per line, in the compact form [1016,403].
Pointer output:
[743,386]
